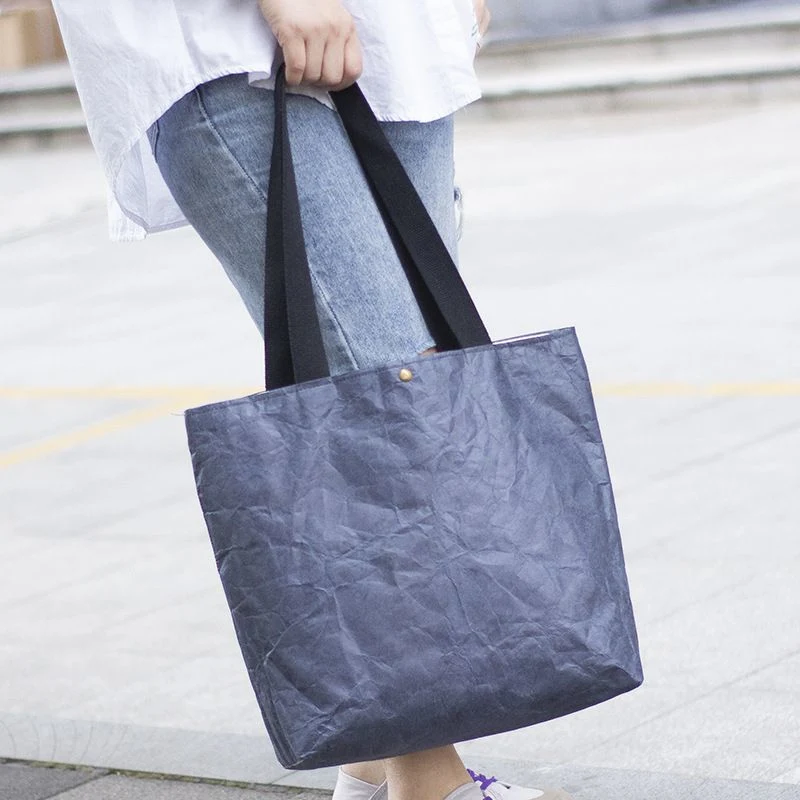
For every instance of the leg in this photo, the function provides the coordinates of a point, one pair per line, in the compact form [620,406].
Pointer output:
[430,775]
[213,148]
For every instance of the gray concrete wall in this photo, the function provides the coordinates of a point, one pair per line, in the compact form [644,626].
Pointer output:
[526,18]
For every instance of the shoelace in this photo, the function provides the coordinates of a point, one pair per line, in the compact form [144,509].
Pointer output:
[482,779]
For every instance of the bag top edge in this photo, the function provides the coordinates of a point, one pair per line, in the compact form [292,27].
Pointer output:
[556,333]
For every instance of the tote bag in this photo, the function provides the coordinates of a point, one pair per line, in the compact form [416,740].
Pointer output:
[422,553]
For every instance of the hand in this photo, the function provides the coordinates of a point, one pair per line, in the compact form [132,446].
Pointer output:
[319,41]
[482,18]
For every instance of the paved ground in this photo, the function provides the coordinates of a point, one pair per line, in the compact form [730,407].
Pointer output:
[671,241]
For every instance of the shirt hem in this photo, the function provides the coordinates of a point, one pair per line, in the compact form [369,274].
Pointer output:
[120,232]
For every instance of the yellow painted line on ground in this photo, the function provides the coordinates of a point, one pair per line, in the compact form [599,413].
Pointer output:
[189,395]
[741,390]
[176,399]
[97,430]
[179,393]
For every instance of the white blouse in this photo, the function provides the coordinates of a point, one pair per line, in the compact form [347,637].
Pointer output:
[132,59]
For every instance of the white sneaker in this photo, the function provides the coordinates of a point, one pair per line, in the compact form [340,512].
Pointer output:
[350,788]
[495,789]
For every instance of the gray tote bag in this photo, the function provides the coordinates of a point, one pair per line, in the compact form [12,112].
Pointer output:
[418,554]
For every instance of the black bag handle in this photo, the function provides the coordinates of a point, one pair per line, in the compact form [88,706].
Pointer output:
[293,346]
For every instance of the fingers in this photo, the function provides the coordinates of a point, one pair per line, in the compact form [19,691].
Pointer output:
[331,64]
[294,54]
[319,41]
[353,64]
[315,55]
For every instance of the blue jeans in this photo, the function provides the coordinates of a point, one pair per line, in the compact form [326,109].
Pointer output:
[213,148]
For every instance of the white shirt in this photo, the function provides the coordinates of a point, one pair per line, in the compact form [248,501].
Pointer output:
[132,59]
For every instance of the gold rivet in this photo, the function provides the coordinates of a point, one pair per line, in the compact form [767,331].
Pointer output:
[405,375]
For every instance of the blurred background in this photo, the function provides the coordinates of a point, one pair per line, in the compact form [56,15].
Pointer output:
[28,35]
[522,19]
[632,170]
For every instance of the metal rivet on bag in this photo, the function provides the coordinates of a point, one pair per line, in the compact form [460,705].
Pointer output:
[405,374]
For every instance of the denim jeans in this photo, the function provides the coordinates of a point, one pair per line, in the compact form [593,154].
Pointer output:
[213,148]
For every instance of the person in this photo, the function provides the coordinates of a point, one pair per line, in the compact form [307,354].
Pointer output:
[178,100]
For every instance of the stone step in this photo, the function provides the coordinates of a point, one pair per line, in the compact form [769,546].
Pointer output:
[753,29]
[718,80]
[749,54]
[43,82]
[42,127]
[39,105]
[737,56]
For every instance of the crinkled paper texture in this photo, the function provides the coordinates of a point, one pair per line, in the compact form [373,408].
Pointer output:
[410,564]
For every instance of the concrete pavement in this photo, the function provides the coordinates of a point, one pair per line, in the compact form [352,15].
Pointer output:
[25,781]
[670,240]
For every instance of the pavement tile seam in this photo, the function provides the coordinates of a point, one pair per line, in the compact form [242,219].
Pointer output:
[521,771]
[703,461]
[179,782]
[50,226]
[98,773]
[518,771]
[792,776]
[71,770]
[699,601]
[687,701]
[63,792]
